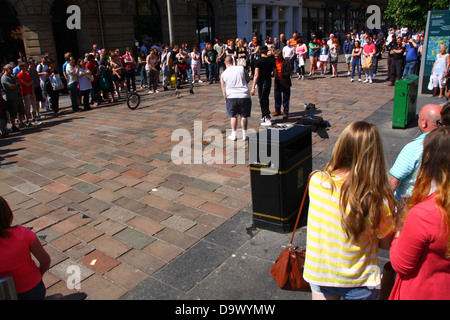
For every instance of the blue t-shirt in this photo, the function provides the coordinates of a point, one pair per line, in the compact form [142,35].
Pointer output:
[412,53]
[406,167]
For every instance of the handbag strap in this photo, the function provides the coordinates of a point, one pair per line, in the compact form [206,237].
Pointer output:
[301,207]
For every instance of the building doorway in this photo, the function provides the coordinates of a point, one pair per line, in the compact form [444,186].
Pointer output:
[65,39]
[205,22]
[147,21]
[11,41]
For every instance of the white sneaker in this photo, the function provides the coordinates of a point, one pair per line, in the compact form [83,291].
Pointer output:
[365,81]
[349,73]
[200,81]
[359,80]
[351,80]
[232,137]
[266,122]
[370,81]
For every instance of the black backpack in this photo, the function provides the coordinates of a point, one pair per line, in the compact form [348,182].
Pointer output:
[316,123]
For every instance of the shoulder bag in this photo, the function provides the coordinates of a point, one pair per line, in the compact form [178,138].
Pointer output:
[288,269]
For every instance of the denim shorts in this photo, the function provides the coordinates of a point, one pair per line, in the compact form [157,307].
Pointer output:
[358,293]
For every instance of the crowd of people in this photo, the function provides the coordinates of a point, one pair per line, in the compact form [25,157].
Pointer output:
[356,205]
[106,76]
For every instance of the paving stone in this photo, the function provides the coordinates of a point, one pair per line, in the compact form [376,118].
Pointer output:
[198,262]
[176,238]
[119,214]
[144,262]
[110,245]
[60,270]
[203,184]
[65,242]
[99,261]
[99,288]
[47,235]
[126,276]
[86,187]
[135,238]
[90,168]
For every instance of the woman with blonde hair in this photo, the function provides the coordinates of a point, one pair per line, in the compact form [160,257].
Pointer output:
[349,218]
[420,251]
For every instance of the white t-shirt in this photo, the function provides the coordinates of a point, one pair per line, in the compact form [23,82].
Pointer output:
[288,52]
[195,62]
[71,78]
[83,81]
[236,85]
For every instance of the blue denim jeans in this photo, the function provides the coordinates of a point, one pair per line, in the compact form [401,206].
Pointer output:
[73,88]
[213,74]
[282,95]
[358,293]
[410,68]
[356,63]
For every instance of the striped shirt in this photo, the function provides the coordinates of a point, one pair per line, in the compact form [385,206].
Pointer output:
[331,260]
[406,166]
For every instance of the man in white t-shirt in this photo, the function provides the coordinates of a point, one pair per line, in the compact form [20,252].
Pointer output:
[234,81]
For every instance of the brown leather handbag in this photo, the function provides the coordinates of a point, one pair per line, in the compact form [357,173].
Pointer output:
[288,269]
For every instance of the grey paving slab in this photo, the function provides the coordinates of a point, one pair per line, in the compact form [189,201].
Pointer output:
[135,238]
[86,187]
[195,264]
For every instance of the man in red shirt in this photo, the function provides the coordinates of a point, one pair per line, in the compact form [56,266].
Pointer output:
[93,68]
[282,88]
[27,90]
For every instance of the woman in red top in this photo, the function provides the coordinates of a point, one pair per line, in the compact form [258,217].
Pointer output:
[420,254]
[16,244]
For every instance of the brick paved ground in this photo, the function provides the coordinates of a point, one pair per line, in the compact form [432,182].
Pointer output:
[100,186]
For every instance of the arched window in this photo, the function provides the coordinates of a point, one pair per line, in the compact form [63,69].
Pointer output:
[205,21]
[147,21]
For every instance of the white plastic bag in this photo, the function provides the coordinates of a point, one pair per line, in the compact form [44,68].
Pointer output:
[430,84]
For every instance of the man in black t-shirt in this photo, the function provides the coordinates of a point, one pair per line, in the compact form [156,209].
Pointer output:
[265,68]
[211,61]
[397,52]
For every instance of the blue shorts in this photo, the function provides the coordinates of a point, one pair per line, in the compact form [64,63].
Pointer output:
[357,293]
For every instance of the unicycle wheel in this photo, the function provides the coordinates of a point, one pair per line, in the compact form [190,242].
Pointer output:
[133,101]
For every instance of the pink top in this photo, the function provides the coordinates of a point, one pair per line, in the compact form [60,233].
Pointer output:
[15,258]
[369,48]
[418,256]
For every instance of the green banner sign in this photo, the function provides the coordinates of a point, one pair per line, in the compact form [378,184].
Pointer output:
[437,34]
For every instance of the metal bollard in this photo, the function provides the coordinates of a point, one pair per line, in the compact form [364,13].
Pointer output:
[7,288]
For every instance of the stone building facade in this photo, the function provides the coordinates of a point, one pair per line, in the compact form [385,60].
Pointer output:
[108,23]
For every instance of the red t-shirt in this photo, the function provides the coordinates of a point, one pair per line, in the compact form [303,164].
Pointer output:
[418,255]
[279,64]
[92,67]
[369,48]
[25,78]
[15,258]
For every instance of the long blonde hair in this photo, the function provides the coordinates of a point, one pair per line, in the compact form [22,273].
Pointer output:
[435,172]
[359,152]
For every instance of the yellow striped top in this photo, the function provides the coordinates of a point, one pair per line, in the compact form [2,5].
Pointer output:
[331,260]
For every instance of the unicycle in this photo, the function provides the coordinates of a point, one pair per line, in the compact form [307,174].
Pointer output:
[133,100]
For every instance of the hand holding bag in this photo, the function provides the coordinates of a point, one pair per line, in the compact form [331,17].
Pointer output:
[288,269]
[368,62]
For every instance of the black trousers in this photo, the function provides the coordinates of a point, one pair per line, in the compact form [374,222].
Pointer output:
[396,70]
[263,96]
